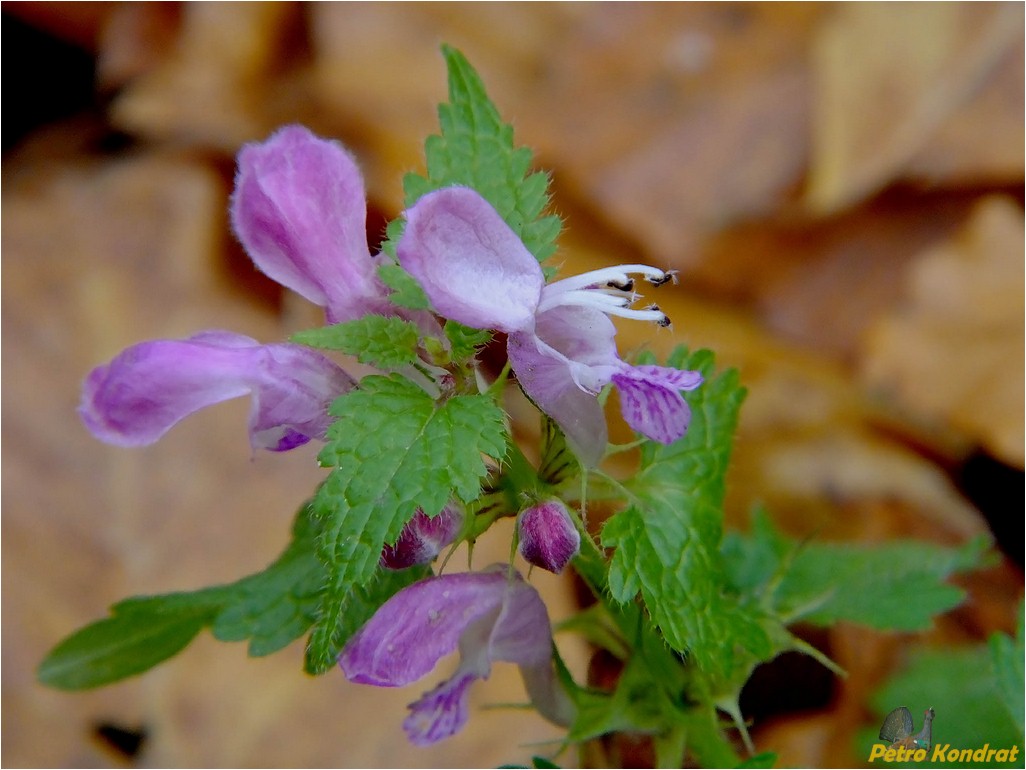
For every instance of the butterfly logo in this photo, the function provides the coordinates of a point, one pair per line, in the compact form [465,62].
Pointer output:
[898,726]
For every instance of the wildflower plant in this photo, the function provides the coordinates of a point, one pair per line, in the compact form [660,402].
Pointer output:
[419,458]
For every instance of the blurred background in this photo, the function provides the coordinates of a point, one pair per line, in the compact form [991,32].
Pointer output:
[839,185]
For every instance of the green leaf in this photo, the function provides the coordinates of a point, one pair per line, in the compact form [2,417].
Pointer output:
[1007,656]
[384,342]
[406,292]
[278,605]
[393,450]
[141,633]
[894,586]
[959,684]
[270,608]
[898,585]
[668,540]
[475,148]
[766,759]
[346,608]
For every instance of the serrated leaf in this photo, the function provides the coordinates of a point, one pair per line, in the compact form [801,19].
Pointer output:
[406,292]
[898,585]
[271,608]
[895,586]
[393,450]
[274,607]
[475,149]
[347,608]
[668,540]
[386,342]
[141,633]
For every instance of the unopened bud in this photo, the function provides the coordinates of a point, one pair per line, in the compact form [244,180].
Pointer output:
[423,538]
[548,537]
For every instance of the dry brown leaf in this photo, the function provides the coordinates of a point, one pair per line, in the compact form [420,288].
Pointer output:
[983,141]
[676,119]
[388,100]
[955,352]
[888,77]
[216,87]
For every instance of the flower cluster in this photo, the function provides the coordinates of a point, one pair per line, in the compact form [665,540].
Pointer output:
[299,210]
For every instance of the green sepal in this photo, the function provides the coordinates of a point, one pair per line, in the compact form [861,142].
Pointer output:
[406,292]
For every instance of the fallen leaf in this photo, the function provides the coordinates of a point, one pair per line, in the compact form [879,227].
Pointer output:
[887,77]
[955,351]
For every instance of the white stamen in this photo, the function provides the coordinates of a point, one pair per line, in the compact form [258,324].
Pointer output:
[585,298]
[606,275]
[612,305]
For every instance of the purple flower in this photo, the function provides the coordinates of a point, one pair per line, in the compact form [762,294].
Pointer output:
[137,397]
[548,537]
[300,210]
[488,615]
[423,538]
[475,270]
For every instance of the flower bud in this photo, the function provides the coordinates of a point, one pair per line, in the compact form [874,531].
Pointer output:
[548,537]
[423,538]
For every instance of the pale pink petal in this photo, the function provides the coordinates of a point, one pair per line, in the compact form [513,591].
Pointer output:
[472,266]
[300,211]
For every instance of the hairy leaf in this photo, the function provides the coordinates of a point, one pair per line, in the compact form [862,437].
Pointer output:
[393,450]
[278,605]
[345,608]
[142,632]
[897,585]
[475,149]
[1007,657]
[384,342]
[270,608]
[668,539]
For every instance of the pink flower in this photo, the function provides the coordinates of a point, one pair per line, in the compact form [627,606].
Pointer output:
[488,615]
[475,270]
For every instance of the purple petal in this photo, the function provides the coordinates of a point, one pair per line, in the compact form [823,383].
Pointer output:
[547,693]
[522,633]
[584,355]
[423,538]
[471,265]
[144,391]
[419,626]
[550,385]
[651,403]
[440,713]
[300,211]
[548,537]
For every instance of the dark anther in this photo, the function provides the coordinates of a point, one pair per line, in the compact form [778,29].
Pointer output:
[669,275]
[627,285]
